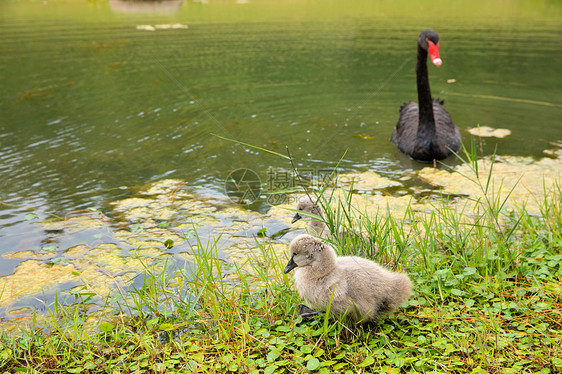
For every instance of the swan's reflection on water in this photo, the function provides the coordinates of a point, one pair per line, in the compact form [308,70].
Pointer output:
[144,6]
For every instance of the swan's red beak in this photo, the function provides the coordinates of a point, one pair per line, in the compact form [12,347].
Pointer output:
[433,51]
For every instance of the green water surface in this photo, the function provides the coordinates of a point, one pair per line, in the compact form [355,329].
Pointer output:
[91,104]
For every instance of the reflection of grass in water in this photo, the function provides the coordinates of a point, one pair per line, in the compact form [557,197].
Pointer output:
[487,297]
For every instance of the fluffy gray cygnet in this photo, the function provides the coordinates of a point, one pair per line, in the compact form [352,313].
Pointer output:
[316,227]
[362,289]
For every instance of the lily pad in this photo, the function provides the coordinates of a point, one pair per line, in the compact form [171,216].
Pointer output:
[488,132]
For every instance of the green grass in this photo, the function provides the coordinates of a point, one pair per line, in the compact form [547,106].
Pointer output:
[487,298]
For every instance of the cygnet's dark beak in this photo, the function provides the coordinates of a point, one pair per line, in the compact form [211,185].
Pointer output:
[290,266]
[296,218]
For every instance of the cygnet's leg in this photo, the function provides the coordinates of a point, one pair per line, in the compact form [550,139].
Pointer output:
[305,312]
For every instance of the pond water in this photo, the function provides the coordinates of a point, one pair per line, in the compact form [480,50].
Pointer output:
[98,98]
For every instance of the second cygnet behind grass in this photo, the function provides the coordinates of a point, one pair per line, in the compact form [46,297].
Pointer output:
[361,289]
[316,225]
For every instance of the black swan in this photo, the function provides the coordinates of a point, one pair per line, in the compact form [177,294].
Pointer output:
[426,132]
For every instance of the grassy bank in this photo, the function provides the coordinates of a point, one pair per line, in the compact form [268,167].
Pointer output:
[487,298]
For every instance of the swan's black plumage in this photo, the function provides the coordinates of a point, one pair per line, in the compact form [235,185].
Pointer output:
[425,131]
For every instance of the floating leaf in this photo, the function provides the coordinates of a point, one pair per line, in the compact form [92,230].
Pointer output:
[488,132]
[30,216]
[146,27]
[172,26]
[169,243]
[364,137]
[58,260]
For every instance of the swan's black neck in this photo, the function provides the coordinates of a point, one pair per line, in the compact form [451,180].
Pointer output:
[426,127]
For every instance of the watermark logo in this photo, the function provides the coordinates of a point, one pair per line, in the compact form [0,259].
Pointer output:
[243,186]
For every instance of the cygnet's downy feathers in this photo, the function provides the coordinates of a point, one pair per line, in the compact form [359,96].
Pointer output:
[359,288]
